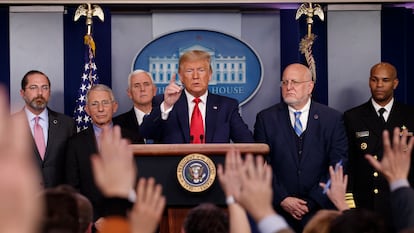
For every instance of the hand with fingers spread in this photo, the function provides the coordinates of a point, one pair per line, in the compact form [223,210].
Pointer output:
[147,211]
[337,190]
[256,194]
[396,160]
[114,168]
[172,93]
[228,175]
[230,181]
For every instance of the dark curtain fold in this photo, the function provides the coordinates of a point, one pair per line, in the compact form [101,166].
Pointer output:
[397,48]
[5,47]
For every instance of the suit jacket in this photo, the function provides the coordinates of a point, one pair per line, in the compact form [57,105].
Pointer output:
[223,122]
[127,120]
[402,203]
[61,128]
[79,168]
[364,130]
[324,144]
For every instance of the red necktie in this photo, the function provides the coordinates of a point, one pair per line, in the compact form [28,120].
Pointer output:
[39,138]
[196,125]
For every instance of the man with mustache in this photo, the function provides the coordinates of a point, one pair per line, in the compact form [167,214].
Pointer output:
[50,130]
[364,125]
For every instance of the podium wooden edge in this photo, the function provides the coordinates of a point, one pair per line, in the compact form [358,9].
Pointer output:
[207,149]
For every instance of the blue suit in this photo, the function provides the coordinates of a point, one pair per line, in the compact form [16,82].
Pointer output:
[223,122]
[324,144]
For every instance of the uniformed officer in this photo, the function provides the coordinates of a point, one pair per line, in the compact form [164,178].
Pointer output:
[364,125]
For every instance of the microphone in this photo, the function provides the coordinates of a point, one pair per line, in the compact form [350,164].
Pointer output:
[201,138]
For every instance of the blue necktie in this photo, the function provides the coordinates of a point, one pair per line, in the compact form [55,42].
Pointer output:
[298,125]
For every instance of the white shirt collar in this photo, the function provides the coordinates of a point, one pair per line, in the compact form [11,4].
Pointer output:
[387,107]
[139,115]
[190,97]
[43,115]
[304,114]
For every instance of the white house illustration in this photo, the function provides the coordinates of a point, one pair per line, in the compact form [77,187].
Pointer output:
[226,69]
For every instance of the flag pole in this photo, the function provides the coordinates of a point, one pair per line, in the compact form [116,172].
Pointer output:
[306,43]
[89,76]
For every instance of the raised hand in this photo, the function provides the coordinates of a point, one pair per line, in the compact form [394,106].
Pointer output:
[337,190]
[229,177]
[148,209]
[396,160]
[256,194]
[172,93]
[21,206]
[114,168]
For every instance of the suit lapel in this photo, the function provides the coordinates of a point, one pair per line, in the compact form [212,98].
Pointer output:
[371,120]
[52,131]
[311,128]
[133,118]
[181,109]
[211,115]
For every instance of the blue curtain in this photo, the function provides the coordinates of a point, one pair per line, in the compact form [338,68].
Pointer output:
[74,51]
[397,48]
[4,47]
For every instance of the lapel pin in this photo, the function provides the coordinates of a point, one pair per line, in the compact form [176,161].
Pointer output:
[215,107]
[315,116]
[55,122]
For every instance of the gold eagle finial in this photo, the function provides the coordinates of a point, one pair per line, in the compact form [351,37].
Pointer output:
[309,11]
[89,11]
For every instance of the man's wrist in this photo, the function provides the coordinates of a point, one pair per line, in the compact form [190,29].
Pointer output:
[399,183]
[272,223]
[230,200]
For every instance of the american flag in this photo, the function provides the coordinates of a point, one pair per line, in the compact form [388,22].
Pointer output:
[88,79]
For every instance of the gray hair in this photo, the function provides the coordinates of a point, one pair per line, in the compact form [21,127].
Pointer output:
[100,87]
[139,71]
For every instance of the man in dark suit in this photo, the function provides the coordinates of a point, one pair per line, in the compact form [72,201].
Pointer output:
[305,137]
[364,126]
[141,90]
[100,106]
[171,121]
[54,128]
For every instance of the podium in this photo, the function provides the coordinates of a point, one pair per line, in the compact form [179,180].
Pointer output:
[161,160]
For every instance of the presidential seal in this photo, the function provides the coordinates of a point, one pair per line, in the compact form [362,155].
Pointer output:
[196,172]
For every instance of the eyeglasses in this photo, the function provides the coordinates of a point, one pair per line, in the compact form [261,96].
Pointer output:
[104,103]
[293,82]
[36,88]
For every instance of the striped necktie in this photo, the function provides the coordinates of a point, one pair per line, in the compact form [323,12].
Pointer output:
[298,125]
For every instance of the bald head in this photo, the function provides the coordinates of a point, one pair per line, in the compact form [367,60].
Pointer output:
[382,82]
[385,66]
[298,68]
